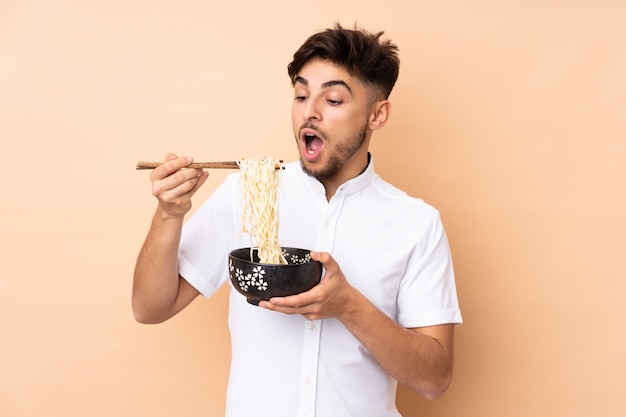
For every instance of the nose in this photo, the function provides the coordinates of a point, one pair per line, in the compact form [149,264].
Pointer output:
[311,110]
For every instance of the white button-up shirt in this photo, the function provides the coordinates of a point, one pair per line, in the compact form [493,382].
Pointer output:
[390,246]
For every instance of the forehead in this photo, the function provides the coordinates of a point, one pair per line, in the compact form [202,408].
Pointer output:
[318,72]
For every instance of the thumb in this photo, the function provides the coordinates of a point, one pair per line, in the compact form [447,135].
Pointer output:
[323,257]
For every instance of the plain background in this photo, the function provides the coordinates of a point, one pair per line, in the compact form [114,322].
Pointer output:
[509,117]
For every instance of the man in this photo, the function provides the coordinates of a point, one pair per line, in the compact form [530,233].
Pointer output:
[386,307]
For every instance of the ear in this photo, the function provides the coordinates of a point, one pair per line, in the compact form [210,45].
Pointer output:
[380,114]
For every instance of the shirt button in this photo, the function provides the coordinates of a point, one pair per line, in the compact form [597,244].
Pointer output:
[312,327]
[307,381]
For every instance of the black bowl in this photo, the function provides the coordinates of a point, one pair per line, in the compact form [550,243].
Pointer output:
[258,281]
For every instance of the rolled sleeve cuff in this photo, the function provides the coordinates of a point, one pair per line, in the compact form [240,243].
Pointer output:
[195,278]
[431,318]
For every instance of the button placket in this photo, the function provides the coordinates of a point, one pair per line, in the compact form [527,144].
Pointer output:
[312,331]
[310,361]
[326,234]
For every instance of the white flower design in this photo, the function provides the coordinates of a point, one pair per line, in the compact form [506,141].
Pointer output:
[258,272]
[262,285]
[251,280]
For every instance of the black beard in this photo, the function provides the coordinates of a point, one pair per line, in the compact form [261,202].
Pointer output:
[337,160]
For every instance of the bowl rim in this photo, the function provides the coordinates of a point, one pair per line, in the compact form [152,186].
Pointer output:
[249,261]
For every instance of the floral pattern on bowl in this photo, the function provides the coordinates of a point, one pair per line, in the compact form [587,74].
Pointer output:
[258,281]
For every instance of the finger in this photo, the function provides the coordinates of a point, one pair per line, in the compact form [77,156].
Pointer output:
[284,309]
[171,174]
[172,191]
[325,258]
[181,183]
[285,302]
[269,305]
[171,165]
[201,179]
[296,301]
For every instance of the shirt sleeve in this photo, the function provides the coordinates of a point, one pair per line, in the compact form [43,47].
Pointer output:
[208,237]
[427,295]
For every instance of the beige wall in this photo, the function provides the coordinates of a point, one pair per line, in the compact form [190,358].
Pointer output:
[510,117]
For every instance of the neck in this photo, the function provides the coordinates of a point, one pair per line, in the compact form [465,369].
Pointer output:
[352,170]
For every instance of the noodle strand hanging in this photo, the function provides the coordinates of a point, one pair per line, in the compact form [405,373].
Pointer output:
[260,181]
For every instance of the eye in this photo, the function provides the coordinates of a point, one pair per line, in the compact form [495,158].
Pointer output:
[300,98]
[334,102]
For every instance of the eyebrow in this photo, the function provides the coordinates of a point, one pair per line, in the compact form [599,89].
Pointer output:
[327,84]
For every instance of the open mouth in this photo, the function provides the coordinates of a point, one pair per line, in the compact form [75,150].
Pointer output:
[311,142]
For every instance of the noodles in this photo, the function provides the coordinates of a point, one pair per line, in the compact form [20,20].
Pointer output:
[259,188]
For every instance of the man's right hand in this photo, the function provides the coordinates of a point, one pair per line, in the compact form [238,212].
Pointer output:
[173,185]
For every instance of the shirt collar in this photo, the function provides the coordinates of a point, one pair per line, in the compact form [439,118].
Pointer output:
[351,186]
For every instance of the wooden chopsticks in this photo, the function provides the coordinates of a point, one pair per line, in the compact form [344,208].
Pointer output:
[213,165]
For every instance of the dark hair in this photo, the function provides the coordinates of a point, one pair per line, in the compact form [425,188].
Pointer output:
[363,54]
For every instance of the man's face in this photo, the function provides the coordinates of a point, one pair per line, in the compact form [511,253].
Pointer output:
[330,121]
